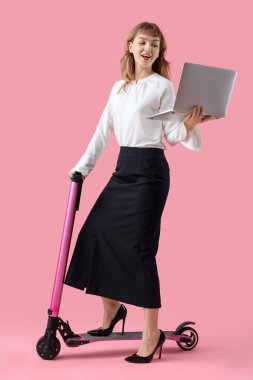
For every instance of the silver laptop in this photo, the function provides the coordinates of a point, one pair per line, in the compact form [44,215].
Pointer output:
[208,86]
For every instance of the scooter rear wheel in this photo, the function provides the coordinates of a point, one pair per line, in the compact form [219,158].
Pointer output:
[192,334]
[45,352]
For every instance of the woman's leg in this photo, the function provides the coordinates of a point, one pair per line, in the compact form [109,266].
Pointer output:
[110,309]
[150,333]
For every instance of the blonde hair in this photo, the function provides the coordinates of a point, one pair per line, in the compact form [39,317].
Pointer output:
[160,66]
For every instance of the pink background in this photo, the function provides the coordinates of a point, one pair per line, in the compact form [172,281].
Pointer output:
[59,60]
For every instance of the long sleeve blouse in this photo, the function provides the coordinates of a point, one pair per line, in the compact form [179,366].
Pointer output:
[125,114]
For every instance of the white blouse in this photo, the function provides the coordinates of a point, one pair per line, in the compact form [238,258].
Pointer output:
[125,115]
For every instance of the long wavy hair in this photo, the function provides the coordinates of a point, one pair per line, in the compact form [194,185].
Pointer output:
[127,63]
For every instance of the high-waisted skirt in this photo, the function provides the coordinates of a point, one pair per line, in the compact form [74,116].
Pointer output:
[115,252]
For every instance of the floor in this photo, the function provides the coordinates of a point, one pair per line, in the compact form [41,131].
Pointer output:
[220,354]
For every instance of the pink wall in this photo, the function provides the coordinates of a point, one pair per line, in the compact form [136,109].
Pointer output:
[59,60]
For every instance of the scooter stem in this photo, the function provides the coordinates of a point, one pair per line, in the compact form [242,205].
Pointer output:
[72,207]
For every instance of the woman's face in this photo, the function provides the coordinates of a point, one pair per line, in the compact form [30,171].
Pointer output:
[145,49]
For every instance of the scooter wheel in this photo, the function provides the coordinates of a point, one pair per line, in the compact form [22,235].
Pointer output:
[191,334]
[48,353]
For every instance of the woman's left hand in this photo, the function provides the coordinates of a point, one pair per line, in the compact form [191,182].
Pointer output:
[207,118]
[195,116]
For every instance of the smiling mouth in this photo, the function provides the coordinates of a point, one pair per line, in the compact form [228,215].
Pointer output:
[146,57]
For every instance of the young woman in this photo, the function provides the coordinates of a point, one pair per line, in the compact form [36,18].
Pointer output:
[115,253]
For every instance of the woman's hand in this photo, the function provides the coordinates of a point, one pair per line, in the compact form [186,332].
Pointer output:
[71,174]
[195,116]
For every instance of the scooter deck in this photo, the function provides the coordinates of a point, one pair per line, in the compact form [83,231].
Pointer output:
[133,335]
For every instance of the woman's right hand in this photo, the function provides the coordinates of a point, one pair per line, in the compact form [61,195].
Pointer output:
[72,172]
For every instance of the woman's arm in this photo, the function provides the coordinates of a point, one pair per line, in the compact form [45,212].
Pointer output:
[175,131]
[99,141]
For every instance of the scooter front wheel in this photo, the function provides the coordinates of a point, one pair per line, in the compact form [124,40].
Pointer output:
[48,349]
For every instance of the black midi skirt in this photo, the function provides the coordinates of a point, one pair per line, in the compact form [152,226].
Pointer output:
[115,252]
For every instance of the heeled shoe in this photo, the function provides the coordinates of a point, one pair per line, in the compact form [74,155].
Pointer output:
[146,359]
[121,314]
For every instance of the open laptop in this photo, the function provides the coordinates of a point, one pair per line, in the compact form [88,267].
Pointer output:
[208,86]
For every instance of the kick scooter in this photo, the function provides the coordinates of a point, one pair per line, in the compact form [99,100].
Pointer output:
[48,346]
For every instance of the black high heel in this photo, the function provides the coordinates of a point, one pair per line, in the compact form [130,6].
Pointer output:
[121,314]
[146,359]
